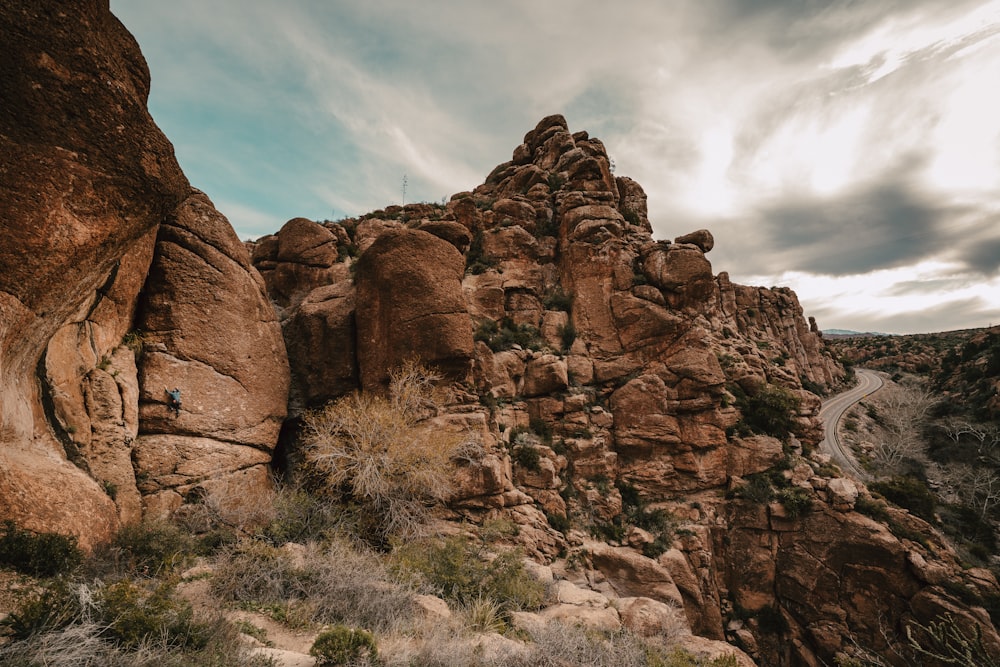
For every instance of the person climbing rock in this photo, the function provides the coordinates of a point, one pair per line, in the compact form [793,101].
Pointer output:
[174,402]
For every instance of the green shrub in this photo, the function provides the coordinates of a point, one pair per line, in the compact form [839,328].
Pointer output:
[133,615]
[657,521]
[610,531]
[558,522]
[909,493]
[541,428]
[814,387]
[660,523]
[519,435]
[796,501]
[38,554]
[770,410]
[152,547]
[457,569]
[128,614]
[249,629]
[341,645]
[872,508]
[135,341]
[54,606]
[756,488]
[527,457]
[348,250]
[660,545]
[506,334]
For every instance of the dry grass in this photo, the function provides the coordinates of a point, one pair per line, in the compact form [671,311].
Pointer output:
[554,645]
[86,643]
[331,583]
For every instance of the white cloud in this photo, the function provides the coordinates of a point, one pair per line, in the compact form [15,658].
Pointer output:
[883,300]
[721,110]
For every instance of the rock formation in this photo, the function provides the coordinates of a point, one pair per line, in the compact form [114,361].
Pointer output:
[85,178]
[612,376]
[410,306]
[91,198]
[638,413]
[209,330]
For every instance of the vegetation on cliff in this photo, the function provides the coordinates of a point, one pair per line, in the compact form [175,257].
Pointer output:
[933,434]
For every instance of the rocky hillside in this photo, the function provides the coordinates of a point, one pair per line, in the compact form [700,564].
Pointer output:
[946,388]
[637,415]
[610,374]
[962,366]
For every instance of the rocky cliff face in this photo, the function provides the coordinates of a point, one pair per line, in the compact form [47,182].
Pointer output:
[94,212]
[612,378]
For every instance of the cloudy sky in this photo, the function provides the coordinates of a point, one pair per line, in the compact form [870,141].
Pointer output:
[849,150]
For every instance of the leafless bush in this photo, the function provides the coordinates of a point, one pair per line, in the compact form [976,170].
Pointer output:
[902,414]
[226,503]
[976,486]
[384,451]
[985,437]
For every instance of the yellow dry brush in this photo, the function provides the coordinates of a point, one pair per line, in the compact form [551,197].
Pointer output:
[386,451]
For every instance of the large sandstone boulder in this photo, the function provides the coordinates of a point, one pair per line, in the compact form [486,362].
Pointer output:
[320,337]
[633,575]
[302,256]
[410,306]
[211,332]
[702,238]
[682,272]
[85,178]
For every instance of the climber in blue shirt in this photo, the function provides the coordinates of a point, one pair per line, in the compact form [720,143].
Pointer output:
[174,402]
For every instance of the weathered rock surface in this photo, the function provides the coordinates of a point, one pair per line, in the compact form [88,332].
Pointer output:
[410,306]
[321,340]
[85,178]
[211,332]
[303,255]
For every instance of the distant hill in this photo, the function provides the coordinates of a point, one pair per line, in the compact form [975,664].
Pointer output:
[847,333]
[964,365]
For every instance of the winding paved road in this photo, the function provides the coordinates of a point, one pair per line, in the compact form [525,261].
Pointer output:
[831,412]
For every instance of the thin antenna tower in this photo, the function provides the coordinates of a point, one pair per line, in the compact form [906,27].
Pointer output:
[404,189]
